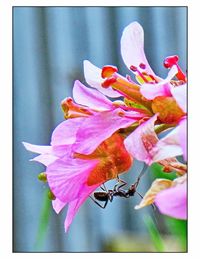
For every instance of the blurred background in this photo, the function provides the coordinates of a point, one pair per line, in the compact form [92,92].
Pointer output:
[49,46]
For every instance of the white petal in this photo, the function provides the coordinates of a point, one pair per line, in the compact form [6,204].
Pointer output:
[94,79]
[132,47]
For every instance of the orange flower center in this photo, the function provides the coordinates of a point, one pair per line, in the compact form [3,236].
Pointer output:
[113,160]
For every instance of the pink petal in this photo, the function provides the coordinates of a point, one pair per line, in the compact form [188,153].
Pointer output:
[132,47]
[60,151]
[163,88]
[180,95]
[90,97]
[183,137]
[75,204]
[94,79]
[173,201]
[140,143]
[37,149]
[58,205]
[65,132]
[67,177]
[173,144]
[150,91]
[95,129]
[45,159]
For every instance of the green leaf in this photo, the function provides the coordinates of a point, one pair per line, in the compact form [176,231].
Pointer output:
[156,172]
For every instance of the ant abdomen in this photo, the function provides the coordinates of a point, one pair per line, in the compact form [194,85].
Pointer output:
[101,196]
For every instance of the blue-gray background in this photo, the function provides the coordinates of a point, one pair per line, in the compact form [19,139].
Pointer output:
[50,45]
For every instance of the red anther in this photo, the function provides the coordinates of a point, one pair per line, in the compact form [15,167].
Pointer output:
[142,66]
[109,81]
[173,60]
[133,68]
[108,71]
[170,61]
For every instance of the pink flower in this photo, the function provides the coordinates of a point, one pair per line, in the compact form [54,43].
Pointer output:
[85,151]
[73,176]
[169,196]
[173,201]
[100,137]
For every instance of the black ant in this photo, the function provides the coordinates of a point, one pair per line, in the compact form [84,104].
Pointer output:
[108,195]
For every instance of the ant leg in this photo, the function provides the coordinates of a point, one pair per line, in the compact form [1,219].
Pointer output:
[110,195]
[104,188]
[117,186]
[100,205]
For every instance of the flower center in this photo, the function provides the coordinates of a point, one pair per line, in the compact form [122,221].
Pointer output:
[122,85]
[143,76]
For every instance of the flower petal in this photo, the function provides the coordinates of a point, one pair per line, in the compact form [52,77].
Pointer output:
[173,201]
[132,47]
[183,137]
[95,129]
[58,205]
[37,149]
[157,186]
[75,205]
[94,79]
[67,177]
[150,91]
[180,95]
[173,144]
[140,143]
[163,88]
[65,132]
[90,97]
[45,159]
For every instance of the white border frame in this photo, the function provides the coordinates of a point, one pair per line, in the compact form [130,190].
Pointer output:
[6,120]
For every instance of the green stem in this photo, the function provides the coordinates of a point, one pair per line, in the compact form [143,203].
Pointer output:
[154,234]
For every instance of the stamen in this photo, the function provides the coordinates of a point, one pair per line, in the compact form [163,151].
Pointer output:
[153,78]
[171,61]
[109,81]
[142,65]
[108,71]
[135,69]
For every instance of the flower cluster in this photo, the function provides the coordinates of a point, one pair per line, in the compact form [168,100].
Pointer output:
[102,137]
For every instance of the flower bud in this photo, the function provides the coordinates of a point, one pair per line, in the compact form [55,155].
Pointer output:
[42,177]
